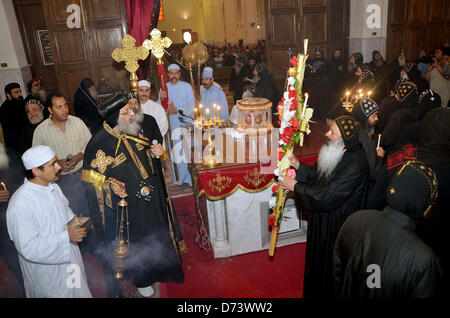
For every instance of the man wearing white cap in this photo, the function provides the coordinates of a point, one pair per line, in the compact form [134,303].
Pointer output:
[37,216]
[151,108]
[181,97]
[212,95]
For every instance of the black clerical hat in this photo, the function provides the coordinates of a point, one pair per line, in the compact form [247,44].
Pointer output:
[412,189]
[364,108]
[349,128]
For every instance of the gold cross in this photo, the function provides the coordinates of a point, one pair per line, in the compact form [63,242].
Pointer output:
[130,54]
[157,44]
[102,161]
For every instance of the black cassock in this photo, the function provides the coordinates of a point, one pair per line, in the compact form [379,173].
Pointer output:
[329,203]
[407,267]
[155,240]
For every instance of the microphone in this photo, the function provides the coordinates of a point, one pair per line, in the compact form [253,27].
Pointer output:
[155,142]
[181,112]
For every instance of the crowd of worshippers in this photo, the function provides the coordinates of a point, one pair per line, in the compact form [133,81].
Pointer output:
[388,159]
[378,197]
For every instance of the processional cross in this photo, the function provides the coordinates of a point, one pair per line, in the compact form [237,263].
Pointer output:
[157,44]
[130,54]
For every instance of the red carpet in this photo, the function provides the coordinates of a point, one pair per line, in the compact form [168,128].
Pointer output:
[252,275]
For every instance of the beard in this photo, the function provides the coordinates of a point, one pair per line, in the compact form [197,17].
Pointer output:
[131,128]
[379,63]
[39,94]
[4,161]
[37,119]
[401,62]
[329,156]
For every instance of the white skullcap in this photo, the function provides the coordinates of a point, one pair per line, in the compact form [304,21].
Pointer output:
[37,156]
[173,67]
[144,83]
[208,69]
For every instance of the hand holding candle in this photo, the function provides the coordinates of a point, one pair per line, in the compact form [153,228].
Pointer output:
[4,195]
[379,140]
[305,47]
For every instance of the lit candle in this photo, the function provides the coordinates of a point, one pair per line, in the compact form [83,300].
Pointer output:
[201,112]
[305,105]
[218,112]
[214,105]
[368,94]
[305,47]
[207,114]
[195,113]
[379,140]
[347,94]
[4,186]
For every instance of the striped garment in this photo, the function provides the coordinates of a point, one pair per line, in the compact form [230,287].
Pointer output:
[72,142]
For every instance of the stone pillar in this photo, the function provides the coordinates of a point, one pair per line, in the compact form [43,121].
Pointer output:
[219,242]
[368,27]
[12,51]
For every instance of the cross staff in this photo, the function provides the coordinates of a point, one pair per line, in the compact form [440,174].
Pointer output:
[130,54]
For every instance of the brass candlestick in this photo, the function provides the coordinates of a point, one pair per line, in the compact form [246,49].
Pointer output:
[210,160]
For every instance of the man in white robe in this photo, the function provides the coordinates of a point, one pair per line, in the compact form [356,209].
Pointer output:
[181,97]
[152,108]
[37,216]
[212,95]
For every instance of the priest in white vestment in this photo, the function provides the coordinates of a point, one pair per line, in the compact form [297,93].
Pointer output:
[37,215]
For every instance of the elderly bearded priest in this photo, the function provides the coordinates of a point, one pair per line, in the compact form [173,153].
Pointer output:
[122,154]
[330,191]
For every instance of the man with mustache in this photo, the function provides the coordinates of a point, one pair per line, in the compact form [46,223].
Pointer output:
[330,191]
[12,116]
[123,161]
[68,136]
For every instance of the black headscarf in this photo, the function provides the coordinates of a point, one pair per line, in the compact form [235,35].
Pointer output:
[349,128]
[434,144]
[428,100]
[412,189]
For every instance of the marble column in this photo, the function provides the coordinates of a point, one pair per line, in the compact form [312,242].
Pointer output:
[220,244]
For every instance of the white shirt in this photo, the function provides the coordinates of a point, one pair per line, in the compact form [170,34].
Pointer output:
[36,217]
[157,111]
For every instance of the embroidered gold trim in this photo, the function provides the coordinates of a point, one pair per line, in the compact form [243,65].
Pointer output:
[119,160]
[140,147]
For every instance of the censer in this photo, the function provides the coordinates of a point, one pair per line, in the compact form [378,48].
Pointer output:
[120,252]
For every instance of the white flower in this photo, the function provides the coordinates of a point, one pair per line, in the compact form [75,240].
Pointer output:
[286,95]
[273,202]
[276,173]
[282,143]
[291,80]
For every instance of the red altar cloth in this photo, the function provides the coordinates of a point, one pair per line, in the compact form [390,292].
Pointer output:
[220,183]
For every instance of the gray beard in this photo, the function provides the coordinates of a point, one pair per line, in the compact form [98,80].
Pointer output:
[329,157]
[37,120]
[39,94]
[4,161]
[133,128]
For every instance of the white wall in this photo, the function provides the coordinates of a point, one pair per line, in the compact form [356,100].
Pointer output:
[363,38]
[11,50]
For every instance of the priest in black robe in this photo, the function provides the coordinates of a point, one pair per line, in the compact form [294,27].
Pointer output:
[379,255]
[330,191]
[122,161]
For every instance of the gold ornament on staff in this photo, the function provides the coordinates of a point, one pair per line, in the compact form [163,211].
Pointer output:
[157,45]
[121,250]
[130,54]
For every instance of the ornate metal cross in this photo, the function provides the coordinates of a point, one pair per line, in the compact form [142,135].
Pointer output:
[157,44]
[130,54]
